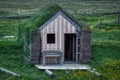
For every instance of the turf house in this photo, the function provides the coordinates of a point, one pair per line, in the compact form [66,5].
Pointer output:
[53,37]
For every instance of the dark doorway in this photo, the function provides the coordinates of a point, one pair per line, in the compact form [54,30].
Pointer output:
[70,48]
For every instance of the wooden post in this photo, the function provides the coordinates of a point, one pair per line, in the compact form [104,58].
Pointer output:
[43,59]
[61,59]
[77,46]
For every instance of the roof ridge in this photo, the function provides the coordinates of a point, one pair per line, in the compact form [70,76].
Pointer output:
[45,14]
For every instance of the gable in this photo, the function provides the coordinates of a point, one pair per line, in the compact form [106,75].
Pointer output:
[61,20]
[58,25]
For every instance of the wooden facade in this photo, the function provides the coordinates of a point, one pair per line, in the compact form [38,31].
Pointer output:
[59,26]
[66,47]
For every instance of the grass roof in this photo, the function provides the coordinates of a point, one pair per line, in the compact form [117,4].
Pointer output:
[43,15]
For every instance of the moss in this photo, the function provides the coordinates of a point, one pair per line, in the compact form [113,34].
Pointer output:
[36,21]
[41,17]
[85,27]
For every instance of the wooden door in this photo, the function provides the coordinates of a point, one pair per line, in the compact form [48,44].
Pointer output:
[70,48]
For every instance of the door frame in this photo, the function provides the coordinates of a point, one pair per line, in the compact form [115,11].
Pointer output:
[74,47]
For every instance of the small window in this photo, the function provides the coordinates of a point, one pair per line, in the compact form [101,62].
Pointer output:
[50,38]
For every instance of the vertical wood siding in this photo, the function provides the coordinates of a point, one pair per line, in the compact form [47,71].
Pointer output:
[58,26]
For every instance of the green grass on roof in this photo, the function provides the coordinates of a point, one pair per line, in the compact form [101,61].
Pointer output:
[36,21]
[41,17]
[85,27]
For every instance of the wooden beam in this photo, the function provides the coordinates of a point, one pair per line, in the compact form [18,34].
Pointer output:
[94,72]
[9,72]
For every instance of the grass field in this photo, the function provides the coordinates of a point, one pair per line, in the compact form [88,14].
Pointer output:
[105,39]
[88,11]
[105,58]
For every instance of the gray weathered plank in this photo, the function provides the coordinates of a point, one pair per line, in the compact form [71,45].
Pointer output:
[9,72]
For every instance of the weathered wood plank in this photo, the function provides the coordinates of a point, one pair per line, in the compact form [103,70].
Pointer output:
[94,72]
[64,67]
[9,72]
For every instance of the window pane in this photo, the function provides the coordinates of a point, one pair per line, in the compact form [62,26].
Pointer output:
[50,38]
